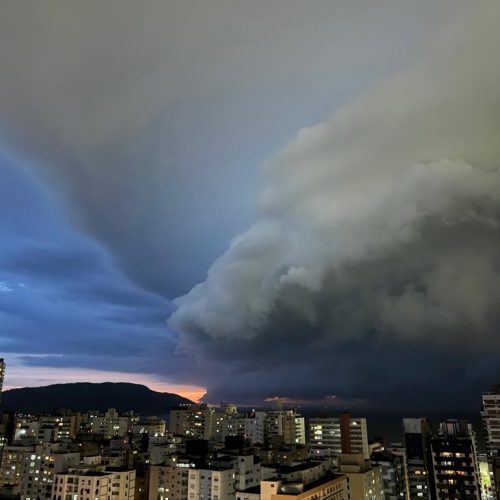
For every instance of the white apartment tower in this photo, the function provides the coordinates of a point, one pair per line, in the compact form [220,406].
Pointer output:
[254,427]
[212,483]
[246,467]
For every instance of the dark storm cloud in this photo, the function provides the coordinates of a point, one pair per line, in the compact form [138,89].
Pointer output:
[150,119]
[63,302]
[46,262]
[362,366]
[374,268]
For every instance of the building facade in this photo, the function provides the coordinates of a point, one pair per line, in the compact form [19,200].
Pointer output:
[329,487]
[418,436]
[455,462]
[365,481]
[168,482]
[336,435]
[193,420]
[212,483]
[490,415]
[93,484]
[393,473]
[41,465]
[12,464]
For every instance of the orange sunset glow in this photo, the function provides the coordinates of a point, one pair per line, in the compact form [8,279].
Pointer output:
[18,376]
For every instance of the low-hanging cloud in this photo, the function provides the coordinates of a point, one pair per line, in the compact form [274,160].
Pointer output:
[144,115]
[378,232]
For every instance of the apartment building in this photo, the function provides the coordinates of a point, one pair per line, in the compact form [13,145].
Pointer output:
[365,481]
[94,484]
[336,435]
[455,461]
[418,437]
[41,465]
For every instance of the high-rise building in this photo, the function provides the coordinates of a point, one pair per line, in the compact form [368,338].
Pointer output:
[365,481]
[454,460]
[254,427]
[152,426]
[490,415]
[491,421]
[41,465]
[200,421]
[2,375]
[330,486]
[285,423]
[94,484]
[12,463]
[419,458]
[394,474]
[58,427]
[212,482]
[246,467]
[227,422]
[399,450]
[159,447]
[168,482]
[109,424]
[336,435]
[485,478]
[193,420]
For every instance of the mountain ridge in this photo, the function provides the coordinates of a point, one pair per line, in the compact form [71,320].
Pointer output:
[83,396]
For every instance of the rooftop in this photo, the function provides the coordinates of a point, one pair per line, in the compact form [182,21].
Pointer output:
[300,466]
[253,489]
[329,476]
[303,487]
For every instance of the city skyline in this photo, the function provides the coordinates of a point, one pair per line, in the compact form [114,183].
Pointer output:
[237,200]
[219,452]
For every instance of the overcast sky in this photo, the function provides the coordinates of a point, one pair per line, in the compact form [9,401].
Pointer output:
[260,198]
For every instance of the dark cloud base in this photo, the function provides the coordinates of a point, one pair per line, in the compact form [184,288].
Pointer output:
[371,273]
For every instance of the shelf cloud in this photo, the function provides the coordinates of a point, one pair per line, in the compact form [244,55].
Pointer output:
[377,227]
[366,261]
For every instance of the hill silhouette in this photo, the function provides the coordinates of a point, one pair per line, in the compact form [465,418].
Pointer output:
[83,396]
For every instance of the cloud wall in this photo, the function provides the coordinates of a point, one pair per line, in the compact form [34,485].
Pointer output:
[379,226]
